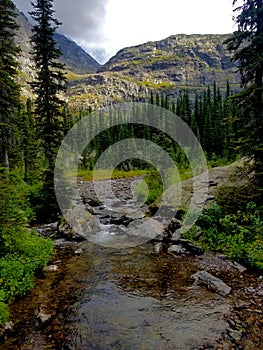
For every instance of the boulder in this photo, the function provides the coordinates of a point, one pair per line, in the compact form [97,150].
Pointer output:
[192,248]
[211,282]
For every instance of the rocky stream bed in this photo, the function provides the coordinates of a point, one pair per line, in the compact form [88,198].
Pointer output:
[163,294]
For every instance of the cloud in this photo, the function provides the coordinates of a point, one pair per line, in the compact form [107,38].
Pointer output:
[82,20]
[102,27]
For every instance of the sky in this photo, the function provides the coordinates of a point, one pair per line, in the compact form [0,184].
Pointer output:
[103,27]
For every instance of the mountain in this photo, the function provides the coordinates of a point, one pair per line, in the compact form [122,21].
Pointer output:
[180,60]
[74,57]
[169,66]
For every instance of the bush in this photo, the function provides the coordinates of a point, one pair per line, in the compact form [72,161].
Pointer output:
[22,251]
[239,235]
[4,314]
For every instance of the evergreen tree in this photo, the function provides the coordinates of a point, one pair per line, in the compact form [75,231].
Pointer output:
[247,45]
[49,83]
[9,89]
[30,145]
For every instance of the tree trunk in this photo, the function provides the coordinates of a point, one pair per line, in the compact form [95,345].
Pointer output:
[6,159]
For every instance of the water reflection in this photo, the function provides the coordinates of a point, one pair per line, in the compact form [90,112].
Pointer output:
[119,299]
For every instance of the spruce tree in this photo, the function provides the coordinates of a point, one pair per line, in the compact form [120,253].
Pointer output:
[48,84]
[9,89]
[247,45]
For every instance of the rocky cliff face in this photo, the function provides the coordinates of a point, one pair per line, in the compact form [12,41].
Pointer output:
[178,61]
[170,66]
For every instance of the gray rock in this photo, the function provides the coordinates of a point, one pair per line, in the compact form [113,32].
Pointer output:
[211,282]
[157,247]
[235,335]
[138,214]
[192,248]
[79,251]
[174,224]
[81,222]
[177,249]
[51,268]
[176,235]
[8,326]
[43,317]
[239,267]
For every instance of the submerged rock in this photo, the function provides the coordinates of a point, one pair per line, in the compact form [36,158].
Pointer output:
[177,249]
[211,282]
[43,317]
[50,268]
[157,247]
[79,251]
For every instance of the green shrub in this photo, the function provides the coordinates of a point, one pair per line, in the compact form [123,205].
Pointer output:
[17,269]
[22,251]
[238,235]
[4,314]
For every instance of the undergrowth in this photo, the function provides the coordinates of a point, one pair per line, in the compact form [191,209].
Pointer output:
[22,251]
[238,235]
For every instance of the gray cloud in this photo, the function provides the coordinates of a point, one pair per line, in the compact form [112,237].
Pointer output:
[82,20]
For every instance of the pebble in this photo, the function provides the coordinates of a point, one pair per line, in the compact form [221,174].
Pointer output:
[79,251]
[236,335]
[51,268]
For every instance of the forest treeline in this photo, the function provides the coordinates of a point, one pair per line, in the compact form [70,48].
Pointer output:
[227,125]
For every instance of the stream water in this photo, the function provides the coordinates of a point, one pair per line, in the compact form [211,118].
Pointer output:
[106,298]
[128,299]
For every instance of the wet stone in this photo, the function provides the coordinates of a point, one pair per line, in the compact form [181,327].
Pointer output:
[50,268]
[157,247]
[79,251]
[211,282]
[177,249]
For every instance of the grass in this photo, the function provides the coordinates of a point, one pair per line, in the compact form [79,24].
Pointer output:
[104,174]
[153,180]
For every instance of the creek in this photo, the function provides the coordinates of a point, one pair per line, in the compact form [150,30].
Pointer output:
[103,298]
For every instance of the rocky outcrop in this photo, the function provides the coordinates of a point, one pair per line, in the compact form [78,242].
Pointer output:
[178,61]
[169,66]
[102,89]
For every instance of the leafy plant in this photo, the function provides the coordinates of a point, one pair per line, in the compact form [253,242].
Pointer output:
[22,251]
[239,235]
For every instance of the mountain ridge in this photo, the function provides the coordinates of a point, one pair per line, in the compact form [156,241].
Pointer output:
[73,56]
[167,66]
[175,59]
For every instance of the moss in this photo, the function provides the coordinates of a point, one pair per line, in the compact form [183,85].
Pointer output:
[152,85]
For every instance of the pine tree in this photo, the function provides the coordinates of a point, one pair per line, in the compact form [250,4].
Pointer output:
[29,145]
[247,45]
[49,83]
[50,80]
[9,89]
